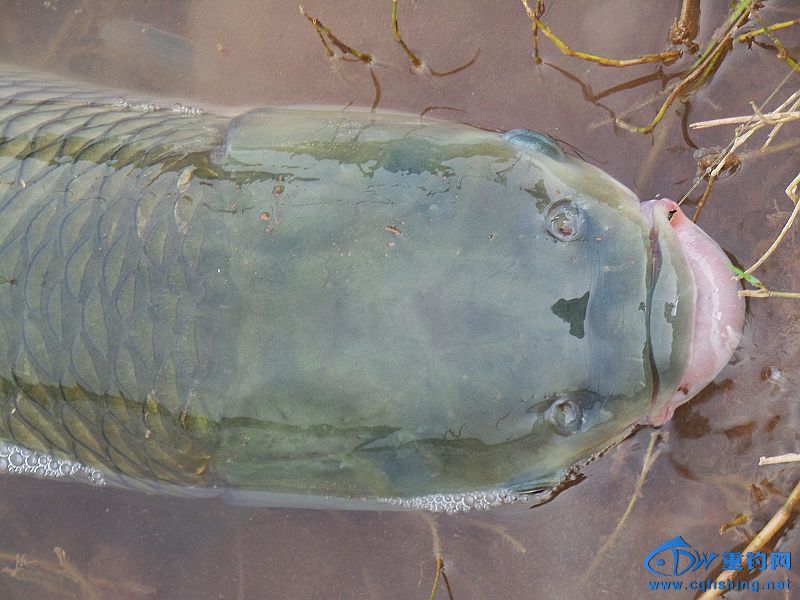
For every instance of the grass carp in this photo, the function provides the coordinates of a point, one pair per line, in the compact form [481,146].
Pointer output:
[318,307]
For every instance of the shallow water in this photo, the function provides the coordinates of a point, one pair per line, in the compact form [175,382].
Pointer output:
[129,545]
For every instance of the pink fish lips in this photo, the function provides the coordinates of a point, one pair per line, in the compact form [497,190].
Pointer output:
[718,311]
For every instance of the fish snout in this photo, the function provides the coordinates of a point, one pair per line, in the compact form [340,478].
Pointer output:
[718,315]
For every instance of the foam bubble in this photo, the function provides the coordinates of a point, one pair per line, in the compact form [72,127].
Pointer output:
[22,461]
[458,502]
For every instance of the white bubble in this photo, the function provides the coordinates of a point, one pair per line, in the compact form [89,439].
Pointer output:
[774,374]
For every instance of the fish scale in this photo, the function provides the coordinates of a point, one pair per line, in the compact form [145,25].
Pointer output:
[68,238]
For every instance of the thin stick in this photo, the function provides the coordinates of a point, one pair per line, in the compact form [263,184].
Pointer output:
[791,191]
[649,458]
[773,118]
[779,460]
[750,126]
[696,77]
[766,293]
[777,127]
[775,524]
[720,163]
[702,202]
[774,27]
[783,53]
[437,551]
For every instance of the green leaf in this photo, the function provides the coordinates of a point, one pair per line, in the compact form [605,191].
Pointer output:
[752,280]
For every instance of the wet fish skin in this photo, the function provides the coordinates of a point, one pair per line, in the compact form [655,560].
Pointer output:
[83,178]
[313,304]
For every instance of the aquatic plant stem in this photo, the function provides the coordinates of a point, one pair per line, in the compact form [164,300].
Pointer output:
[773,526]
[783,52]
[665,57]
[761,290]
[325,33]
[417,64]
[687,25]
[437,552]
[538,11]
[774,27]
[322,30]
[649,459]
[704,67]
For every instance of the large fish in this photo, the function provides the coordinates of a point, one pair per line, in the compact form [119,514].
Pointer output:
[331,308]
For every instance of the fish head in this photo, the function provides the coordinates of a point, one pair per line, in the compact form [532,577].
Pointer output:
[456,308]
[695,314]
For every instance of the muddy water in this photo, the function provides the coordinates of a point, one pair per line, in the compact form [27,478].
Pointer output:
[705,473]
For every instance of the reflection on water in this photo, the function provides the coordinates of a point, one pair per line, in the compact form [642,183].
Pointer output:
[704,473]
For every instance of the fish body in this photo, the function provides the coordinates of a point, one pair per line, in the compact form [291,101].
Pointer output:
[315,307]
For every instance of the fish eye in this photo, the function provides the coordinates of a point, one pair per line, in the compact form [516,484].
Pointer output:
[564,220]
[565,416]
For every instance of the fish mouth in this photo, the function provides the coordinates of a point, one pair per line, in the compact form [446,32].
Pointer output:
[715,324]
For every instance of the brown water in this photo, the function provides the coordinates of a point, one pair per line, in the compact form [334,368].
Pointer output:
[248,52]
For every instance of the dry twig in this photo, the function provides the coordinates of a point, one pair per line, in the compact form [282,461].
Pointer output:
[775,524]
[53,577]
[773,118]
[779,460]
[756,121]
[791,191]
